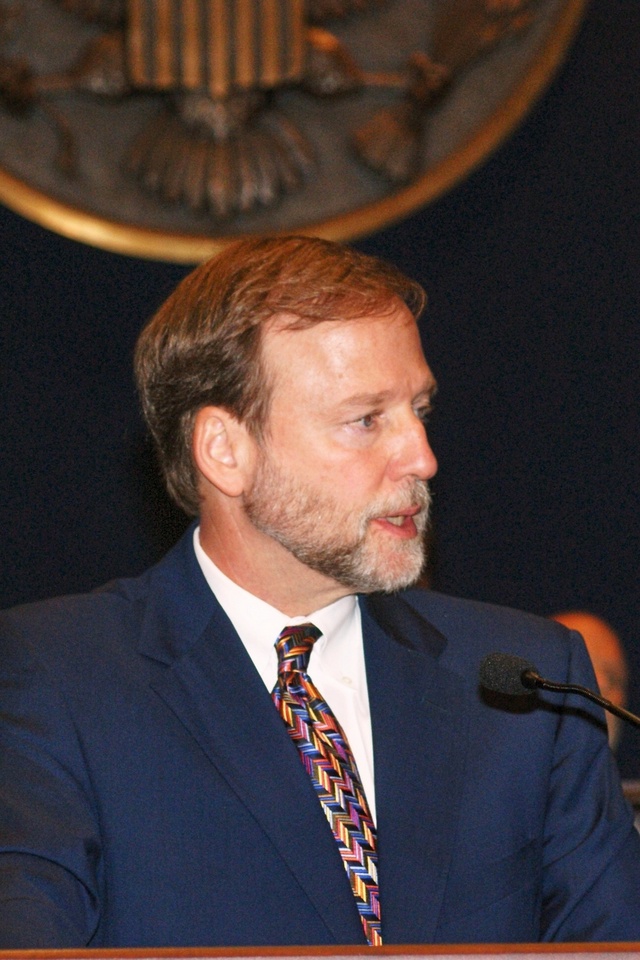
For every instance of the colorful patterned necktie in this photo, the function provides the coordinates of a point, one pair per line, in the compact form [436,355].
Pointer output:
[325,753]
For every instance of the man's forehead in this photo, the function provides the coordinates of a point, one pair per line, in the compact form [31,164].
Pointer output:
[362,356]
[288,326]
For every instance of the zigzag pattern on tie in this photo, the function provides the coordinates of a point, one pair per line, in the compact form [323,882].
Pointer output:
[326,755]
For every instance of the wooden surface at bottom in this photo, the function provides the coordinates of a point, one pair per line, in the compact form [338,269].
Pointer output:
[518,951]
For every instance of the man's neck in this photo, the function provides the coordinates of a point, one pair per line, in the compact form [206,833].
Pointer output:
[271,573]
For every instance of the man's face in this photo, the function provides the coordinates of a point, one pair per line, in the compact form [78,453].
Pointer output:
[341,479]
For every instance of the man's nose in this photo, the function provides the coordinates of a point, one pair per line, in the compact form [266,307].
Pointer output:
[415,457]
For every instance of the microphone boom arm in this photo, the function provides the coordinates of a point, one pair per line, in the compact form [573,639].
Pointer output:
[533,681]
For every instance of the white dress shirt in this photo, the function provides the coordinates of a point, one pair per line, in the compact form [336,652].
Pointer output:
[336,664]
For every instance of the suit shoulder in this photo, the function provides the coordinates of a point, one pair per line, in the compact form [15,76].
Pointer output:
[111,600]
[444,611]
[474,629]
[73,621]
[106,623]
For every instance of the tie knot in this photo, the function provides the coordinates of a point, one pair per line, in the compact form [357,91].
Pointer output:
[293,647]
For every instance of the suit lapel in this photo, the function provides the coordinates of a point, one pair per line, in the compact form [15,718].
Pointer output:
[419,734]
[420,740]
[213,688]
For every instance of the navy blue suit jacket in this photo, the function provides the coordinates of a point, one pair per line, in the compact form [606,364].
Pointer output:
[150,795]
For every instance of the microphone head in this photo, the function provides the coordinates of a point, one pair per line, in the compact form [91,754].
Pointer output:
[502,673]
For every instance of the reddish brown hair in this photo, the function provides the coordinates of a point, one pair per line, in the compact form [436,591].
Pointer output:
[203,345]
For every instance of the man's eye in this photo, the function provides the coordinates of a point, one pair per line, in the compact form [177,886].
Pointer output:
[367,421]
[424,414]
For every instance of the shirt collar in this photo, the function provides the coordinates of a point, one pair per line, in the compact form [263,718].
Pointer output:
[258,624]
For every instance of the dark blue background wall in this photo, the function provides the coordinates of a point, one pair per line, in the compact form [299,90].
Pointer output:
[533,271]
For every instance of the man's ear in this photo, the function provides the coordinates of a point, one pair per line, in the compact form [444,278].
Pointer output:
[222,450]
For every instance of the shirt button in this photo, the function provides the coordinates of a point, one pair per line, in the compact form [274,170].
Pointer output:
[347,681]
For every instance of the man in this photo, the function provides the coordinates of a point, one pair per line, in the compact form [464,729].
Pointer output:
[608,659]
[152,737]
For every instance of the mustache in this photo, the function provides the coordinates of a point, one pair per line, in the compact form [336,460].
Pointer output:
[416,495]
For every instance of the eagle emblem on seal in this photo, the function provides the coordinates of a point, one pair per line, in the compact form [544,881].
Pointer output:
[221,140]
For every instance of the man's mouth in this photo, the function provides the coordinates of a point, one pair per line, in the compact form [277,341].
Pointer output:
[401,524]
[396,521]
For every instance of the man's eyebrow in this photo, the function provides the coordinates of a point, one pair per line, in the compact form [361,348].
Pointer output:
[428,393]
[365,400]
[359,400]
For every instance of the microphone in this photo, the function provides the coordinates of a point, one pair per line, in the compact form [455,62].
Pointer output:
[514,676]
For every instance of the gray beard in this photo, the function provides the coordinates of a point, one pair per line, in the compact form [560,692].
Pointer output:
[315,531]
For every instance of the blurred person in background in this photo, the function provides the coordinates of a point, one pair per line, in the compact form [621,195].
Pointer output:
[608,659]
